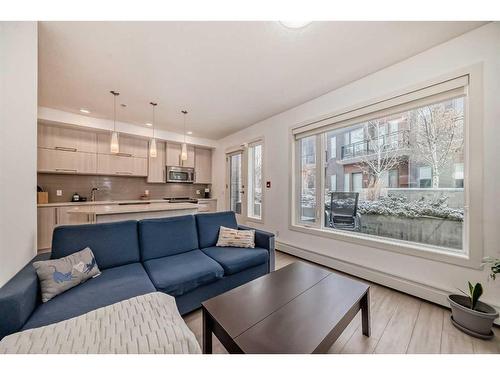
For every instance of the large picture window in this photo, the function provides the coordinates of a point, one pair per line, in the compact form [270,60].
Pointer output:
[400,173]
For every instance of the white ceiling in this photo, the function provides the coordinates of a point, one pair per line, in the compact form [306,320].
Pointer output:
[229,75]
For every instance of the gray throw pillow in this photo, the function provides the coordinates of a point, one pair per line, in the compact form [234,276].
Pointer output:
[59,275]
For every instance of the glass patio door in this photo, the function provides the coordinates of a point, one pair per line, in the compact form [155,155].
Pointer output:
[236,183]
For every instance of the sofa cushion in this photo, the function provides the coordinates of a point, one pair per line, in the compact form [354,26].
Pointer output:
[113,244]
[236,259]
[111,286]
[209,224]
[178,274]
[168,236]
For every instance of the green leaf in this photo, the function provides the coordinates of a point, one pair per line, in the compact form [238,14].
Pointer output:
[476,293]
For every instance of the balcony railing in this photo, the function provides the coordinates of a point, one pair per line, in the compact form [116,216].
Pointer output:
[385,143]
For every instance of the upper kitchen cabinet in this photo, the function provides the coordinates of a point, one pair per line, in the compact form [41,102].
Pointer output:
[174,155]
[156,166]
[129,146]
[203,165]
[66,139]
[59,161]
[121,165]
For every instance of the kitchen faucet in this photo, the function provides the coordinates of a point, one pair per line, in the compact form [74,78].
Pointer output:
[92,194]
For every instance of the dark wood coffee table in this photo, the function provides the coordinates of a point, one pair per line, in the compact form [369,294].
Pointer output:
[300,308]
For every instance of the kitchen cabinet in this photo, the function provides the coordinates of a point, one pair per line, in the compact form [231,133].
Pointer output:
[174,155]
[46,222]
[66,139]
[203,165]
[121,165]
[156,166]
[65,218]
[129,146]
[59,161]
[207,205]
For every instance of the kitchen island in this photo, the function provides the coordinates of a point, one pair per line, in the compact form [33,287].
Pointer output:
[131,211]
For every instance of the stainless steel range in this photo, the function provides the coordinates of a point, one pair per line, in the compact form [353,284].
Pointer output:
[181,200]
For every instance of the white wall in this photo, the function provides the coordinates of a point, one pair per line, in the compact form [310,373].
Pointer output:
[422,277]
[18,117]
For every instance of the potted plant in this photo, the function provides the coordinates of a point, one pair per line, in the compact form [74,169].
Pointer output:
[471,315]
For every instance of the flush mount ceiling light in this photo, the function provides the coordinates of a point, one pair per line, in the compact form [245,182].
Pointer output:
[148,124]
[295,24]
[83,110]
[114,146]
[184,154]
[152,144]
[189,132]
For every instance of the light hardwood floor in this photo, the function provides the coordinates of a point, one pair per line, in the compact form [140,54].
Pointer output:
[400,324]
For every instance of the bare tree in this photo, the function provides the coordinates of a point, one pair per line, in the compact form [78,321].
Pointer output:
[438,136]
[381,154]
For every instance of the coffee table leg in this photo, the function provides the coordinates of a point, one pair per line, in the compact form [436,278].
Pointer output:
[365,314]
[207,332]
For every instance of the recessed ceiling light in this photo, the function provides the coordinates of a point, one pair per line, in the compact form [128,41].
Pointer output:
[189,132]
[148,124]
[83,110]
[295,24]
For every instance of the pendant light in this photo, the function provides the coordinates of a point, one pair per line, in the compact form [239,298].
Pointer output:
[152,144]
[114,146]
[184,153]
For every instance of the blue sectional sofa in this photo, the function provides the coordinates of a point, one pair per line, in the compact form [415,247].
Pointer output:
[175,255]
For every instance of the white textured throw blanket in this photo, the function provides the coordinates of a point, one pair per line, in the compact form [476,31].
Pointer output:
[148,324]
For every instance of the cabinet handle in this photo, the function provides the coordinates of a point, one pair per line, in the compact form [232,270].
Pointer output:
[123,172]
[65,148]
[124,154]
[66,170]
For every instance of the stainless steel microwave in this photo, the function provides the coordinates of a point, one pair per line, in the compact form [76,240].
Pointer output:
[180,174]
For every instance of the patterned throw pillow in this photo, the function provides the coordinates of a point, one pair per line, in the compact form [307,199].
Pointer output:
[59,275]
[236,238]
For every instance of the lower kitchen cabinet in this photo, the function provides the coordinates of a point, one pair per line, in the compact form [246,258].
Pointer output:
[46,222]
[209,205]
[49,218]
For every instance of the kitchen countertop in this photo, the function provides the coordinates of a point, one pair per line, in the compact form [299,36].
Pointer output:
[89,203]
[110,209]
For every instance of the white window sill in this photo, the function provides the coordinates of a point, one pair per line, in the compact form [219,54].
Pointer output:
[434,253]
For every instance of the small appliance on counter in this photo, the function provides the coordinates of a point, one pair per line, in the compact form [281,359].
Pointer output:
[77,198]
[207,193]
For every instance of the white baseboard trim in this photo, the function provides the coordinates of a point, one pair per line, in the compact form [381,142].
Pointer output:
[414,288]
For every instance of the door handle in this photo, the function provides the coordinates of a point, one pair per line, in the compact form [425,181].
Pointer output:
[65,148]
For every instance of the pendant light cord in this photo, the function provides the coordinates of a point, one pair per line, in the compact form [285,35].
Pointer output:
[115,94]
[153,124]
[185,113]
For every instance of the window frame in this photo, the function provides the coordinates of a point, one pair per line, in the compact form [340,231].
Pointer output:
[431,91]
[258,142]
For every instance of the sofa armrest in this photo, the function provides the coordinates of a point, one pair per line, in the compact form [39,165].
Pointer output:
[265,240]
[19,298]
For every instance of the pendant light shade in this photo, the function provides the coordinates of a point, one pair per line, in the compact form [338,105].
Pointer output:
[152,148]
[114,145]
[152,145]
[184,153]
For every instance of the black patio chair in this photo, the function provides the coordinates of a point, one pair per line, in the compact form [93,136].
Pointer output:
[343,211]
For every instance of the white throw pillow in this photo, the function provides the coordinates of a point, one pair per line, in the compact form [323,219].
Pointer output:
[236,238]
[59,275]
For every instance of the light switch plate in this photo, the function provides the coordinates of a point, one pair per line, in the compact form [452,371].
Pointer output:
[59,193]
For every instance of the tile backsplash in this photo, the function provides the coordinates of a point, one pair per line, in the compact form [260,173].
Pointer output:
[112,187]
